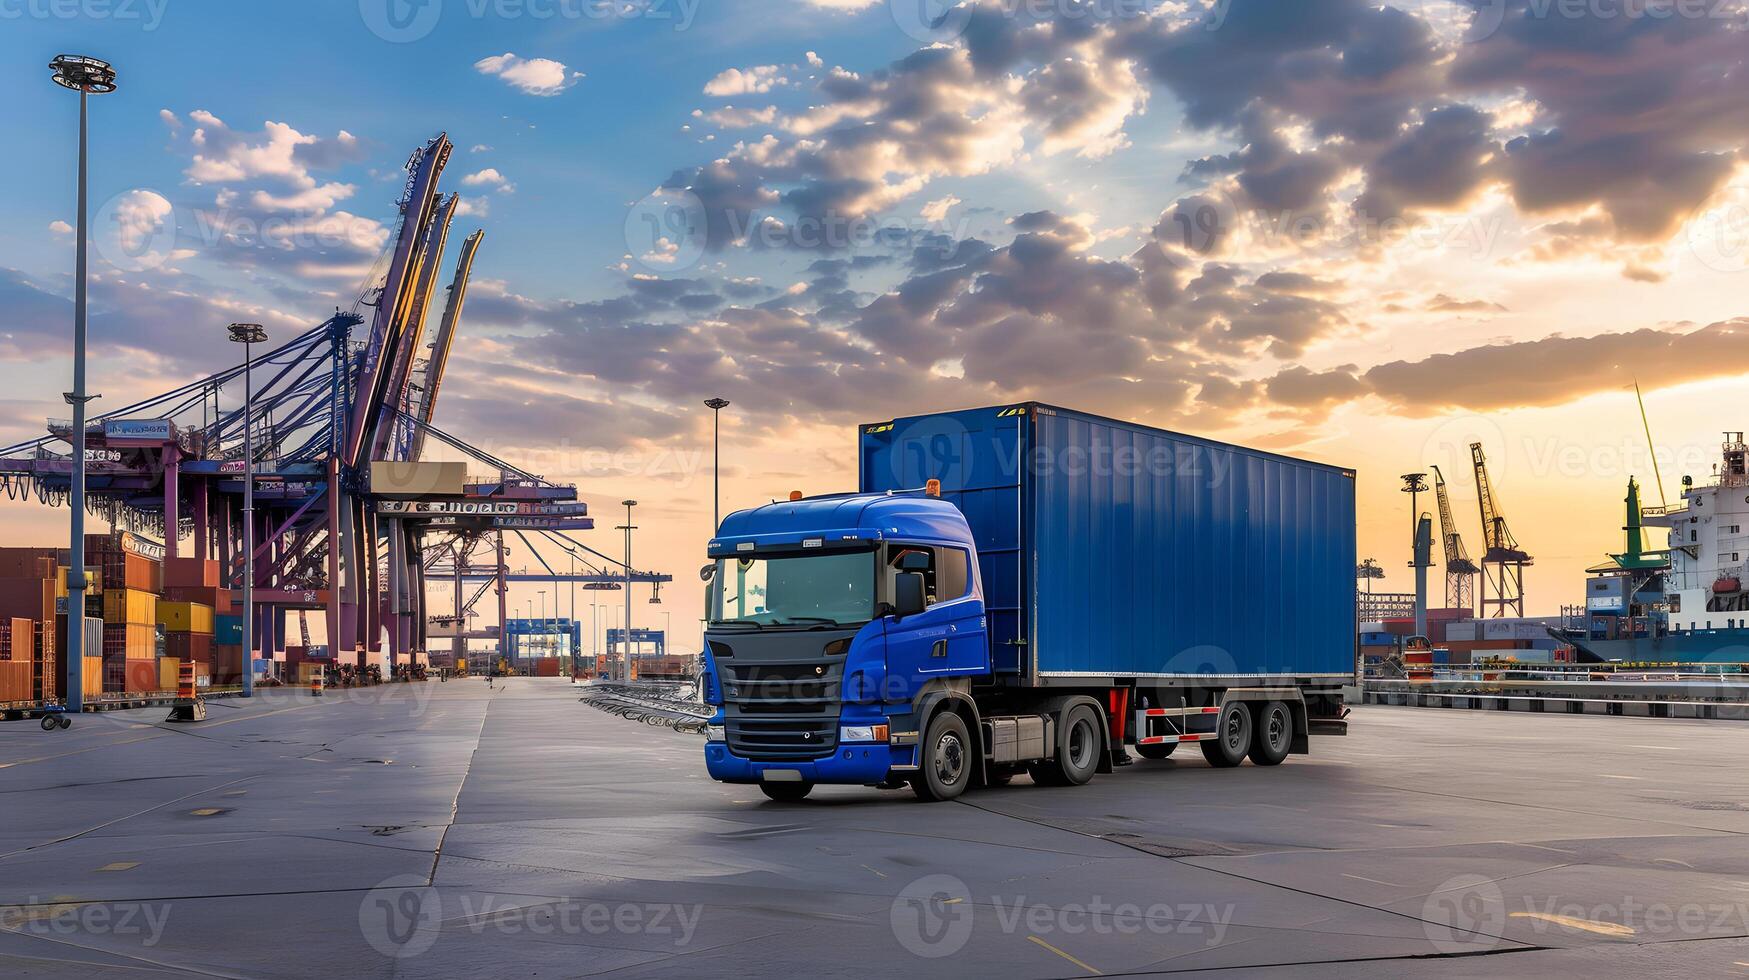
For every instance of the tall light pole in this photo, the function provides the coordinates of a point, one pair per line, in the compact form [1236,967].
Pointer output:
[543,615]
[628,527]
[247,334]
[716,405]
[88,77]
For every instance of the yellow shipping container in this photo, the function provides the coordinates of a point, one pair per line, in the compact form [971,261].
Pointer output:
[93,581]
[169,673]
[185,617]
[130,607]
[307,672]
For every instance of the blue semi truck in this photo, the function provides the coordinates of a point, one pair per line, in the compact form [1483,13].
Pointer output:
[1029,589]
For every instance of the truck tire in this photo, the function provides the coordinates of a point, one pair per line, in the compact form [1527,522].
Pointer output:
[1158,750]
[944,759]
[1079,745]
[1273,734]
[787,792]
[1232,736]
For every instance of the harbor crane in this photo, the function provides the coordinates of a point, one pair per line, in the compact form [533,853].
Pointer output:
[1503,561]
[1460,571]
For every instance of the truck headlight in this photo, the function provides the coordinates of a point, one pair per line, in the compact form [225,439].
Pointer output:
[862,733]
[713,733]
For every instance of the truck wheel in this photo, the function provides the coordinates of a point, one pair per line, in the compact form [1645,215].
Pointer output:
[1274,734]
[1158,750]
[787,792]
[1078,747]
[946,759]
[1232,737]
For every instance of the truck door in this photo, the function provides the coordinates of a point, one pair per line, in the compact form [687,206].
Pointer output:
[946,639]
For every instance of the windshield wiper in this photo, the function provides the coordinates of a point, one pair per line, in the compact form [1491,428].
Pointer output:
[734,622]
[823,622]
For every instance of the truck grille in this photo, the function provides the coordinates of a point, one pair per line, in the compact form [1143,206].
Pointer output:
[782,712]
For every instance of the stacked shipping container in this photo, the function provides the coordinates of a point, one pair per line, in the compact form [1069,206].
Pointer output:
[130,615]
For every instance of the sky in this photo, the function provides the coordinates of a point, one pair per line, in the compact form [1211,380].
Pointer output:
[1366,234]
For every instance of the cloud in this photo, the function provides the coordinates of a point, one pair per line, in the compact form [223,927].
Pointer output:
[60,228]
[1535,373]
[736,81]
[489,177]
[531,76]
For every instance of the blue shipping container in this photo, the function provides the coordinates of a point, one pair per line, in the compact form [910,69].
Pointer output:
[228,630]
[1110,549]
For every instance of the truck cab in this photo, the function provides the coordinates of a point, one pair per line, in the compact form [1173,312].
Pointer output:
[832,621]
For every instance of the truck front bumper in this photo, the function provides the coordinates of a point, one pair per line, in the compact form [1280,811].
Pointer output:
[853,763]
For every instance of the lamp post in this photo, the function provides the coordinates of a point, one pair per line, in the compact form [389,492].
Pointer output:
[716,405]
[88,77]
[543,617]
[628,527]
[248,334]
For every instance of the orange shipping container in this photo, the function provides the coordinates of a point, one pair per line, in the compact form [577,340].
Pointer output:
[15,680]
[92,681]
[169,673]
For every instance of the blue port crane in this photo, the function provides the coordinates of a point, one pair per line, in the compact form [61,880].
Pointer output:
[350,512]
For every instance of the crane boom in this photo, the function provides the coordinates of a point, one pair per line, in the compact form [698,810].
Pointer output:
[1495,535]
[1457,557]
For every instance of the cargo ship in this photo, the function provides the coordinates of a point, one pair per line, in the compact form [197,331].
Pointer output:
[1686,604]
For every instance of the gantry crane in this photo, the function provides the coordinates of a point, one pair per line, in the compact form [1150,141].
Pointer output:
[1503,561]
[1460,571]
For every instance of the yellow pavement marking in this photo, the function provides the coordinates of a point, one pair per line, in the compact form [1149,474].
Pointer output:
[1605,775]
[877,874]
[1084,966]
[120,866]
[1585,925]
[206,811]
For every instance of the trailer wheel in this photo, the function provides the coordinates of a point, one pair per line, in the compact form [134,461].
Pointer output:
[1158,750]
[1232,737]
[787,792]
[66,723]
[1078,747]
[946,759]
[49,723]
[1274,735]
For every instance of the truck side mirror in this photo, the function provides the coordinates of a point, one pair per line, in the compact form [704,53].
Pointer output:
[908,594]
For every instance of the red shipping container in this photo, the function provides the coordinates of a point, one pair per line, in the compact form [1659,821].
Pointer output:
[141,676]
[191,573]
[28,598]
[546,667]
[227,664]
[28,562]
[197,647]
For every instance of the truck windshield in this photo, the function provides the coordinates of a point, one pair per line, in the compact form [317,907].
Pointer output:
[804,590]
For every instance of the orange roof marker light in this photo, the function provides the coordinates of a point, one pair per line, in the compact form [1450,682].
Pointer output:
[795,495]
[932,488]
